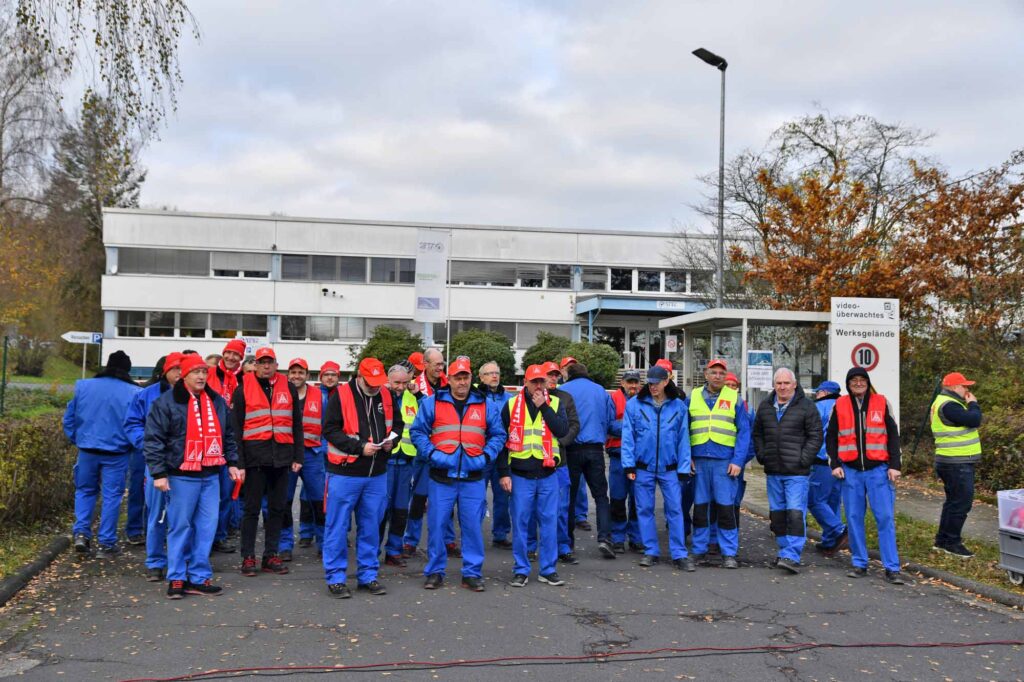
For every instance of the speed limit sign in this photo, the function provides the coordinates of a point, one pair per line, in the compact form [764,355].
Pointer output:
[864,355]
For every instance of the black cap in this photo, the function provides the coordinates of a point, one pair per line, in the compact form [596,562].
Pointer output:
[119,360]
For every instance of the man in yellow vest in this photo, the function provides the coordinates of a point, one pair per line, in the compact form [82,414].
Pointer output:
[956,417]
[720,448]
[400,467]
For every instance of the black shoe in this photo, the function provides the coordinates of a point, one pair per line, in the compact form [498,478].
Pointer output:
[305,542]
[206,588]
[82,543]
[107,551]
[532,556]
[474,584]
[224,547]
[649,561]
[373,587]
[395,560]
[175,589]
[453,550]
[249,567]
[699,558]
[856,572]
[155,575]
[894,578]
[606,550]
[584,525]
[285,555]
[730,562]
[713,548]
[685,564]
[551,579]
[233,533]
[568,558]
[503,543]
[136,540]
[636,548]
[789,565]
[273,564]
[957,550]
[339,591]
[619,547]
[519,580]
[434,581]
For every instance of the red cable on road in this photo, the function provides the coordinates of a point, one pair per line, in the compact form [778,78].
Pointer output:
[509,661]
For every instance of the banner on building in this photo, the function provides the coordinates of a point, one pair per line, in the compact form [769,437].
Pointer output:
[431,298]
[865,332]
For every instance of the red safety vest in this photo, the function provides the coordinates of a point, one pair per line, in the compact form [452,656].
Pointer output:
[312,418]
[876,436]
[264,420]
[219,387]
[449,432]
[619,398]
[350,420]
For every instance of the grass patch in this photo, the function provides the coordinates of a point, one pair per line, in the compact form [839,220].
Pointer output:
[56,370]
[21,544]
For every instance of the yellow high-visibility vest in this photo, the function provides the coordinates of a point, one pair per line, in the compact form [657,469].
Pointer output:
[953,441]
[718,424]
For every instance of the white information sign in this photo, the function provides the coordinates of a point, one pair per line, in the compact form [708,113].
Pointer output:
[82,337]
[431,298]
[759,369]
[865,332]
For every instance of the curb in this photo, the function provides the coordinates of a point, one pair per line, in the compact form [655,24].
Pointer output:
[988,591]
[13,583]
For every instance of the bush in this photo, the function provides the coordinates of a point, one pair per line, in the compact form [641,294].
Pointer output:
[602,360]
[28,402]
[482,346]
[390,345]
[36,469]
[548,347]
[30,356]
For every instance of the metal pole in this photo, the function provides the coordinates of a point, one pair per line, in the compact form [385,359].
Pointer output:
[3,380]
[448,307]
[85,347]
[721,199]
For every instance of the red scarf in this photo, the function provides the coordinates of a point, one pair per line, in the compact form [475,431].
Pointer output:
[204,442]
[229,384]
[517,422]
[424,385]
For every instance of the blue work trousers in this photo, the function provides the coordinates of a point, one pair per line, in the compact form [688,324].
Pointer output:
[399,496]
[418,505]
[312,475]
[225,505]
[823,499]
[469,497]
[135,524]
[714,487]
[622,503]
[535,503]
[644,488]
[366,497]
[192,507]
[787,505]
[582,507]
[156,526]
[501,518]
[99,476]
[872,487]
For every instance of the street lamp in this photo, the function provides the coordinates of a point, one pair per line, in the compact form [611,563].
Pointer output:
[719,63]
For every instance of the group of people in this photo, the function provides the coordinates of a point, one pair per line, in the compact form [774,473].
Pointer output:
[392,444]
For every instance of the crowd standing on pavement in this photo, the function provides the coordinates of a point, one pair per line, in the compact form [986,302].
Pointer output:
[225,440]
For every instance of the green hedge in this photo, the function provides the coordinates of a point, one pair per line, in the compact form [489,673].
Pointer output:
[36,464]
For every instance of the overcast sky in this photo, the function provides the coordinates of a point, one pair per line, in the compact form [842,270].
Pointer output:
[555,113]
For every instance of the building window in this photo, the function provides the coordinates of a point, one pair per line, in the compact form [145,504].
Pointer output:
[321,328]
[483,273]
[238,264]
[352,269]
[649,280]
[622,279]
[507,329]
[559,277]
[594,279]
[350,328]
[325,268]
[193,325]
[392,270]
[294,267]
[411,326]
[293,328]
[702,281]
[254,325]
[675,282]
[131,323]
[530,276]
[161,324]
[163,262]
[225,325]
[406,270]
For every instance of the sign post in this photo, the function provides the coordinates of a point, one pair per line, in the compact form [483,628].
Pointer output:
[865,332]
[84,338]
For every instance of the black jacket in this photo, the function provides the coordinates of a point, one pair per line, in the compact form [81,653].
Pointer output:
[566,400]
[166,426]
[558,424]
[369,432]
[256,453]
[789,446]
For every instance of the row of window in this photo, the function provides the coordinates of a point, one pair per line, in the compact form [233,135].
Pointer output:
[154,324]
[387,270]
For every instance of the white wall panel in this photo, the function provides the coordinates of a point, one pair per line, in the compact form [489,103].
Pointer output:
[187,231]
[151,292]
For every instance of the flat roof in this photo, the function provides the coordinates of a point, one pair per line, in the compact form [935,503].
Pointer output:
[721,318]
[398,223]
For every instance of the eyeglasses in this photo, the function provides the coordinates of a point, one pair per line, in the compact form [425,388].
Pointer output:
[490,373]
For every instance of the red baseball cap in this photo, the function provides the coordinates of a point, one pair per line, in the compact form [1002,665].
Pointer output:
[732,377]
[550,367]
[300,362]
[172,361]
[372,372]
[416,359]
[265,352]
[330,366]
[190,362]
[717,362]
[956,379]
[235,345]
[458,367]
[567,360]
[535,372]
[667,364]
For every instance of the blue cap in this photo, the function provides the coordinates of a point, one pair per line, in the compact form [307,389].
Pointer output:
[828,387]
[631,375]
[656,374]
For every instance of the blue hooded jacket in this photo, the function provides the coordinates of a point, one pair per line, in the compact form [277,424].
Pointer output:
[595,409]
[653,439]
[135,419]
[458,464]
[94,419]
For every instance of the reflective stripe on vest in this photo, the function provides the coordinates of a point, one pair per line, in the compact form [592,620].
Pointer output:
[619,399]
[533,434]
[718,424]
[953,441]
[350,421]
[312,419]
[449,432]
[265,420]
[410,406]
[876,436]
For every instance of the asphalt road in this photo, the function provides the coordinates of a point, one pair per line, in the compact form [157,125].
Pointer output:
[86,620]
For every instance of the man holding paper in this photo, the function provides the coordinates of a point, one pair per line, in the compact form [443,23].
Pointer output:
[362,427]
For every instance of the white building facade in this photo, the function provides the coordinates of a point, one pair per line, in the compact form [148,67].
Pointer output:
[317,288]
